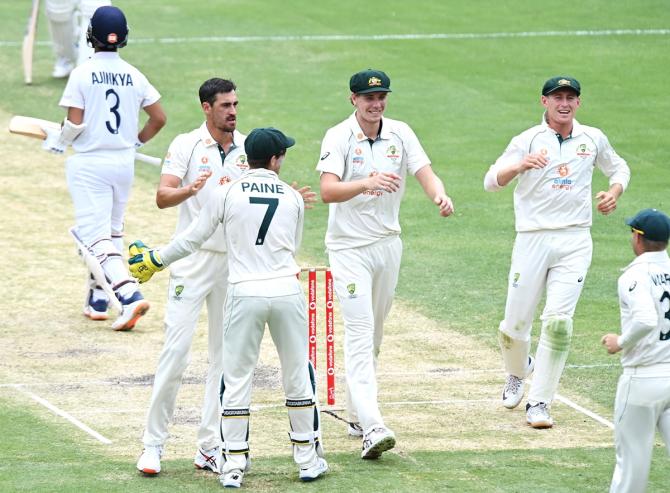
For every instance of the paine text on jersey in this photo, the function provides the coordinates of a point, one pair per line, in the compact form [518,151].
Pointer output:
[276,188]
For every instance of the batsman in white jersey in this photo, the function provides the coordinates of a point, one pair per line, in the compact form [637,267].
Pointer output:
[553,164]
[643,394]
[261,219]
[68,23]
[196,165]
[364,163]
[103,97]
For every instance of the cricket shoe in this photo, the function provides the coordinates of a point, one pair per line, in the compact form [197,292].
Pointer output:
[514,388]
[354,430]
[232,479]
[379,439]
[209,460]
[150,461]
[96,309]
[62,68]
[538,416]
[133,308]
[313,471]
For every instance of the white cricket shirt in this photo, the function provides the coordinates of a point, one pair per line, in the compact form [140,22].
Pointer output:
[194,153]
[262,219]
[644,298]
[559,195]
[349,154]
[111,92]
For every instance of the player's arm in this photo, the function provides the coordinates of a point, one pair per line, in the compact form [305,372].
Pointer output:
[58,140]
[607,200]
[506,174]
[333,189]
[616,169]
[434,188]
[171,193]
[156,121]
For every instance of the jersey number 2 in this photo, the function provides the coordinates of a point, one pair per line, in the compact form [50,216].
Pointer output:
[267,219]
[113,109]
[665,335]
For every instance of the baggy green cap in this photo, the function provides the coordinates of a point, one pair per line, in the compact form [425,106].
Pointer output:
[369,81]
[561,82]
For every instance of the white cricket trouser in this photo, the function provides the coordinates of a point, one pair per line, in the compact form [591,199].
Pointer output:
[200,277]
[642,405]
[365,279]
[279,303]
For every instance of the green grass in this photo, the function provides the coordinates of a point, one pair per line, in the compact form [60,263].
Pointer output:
[465,99]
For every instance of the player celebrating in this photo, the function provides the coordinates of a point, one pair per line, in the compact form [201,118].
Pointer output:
[68,23]
[553,163]
[364,162]
[103,97]
[260,219]
[643,394]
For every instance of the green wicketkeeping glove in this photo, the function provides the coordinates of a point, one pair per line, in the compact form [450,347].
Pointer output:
[143,261]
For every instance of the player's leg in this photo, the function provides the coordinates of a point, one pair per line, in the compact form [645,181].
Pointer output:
[287,324]
[564,285]
[352,280]
[188,287]
[86,10]
[526,282]
[208,455]
[62,27]
[635,427]
[244,320]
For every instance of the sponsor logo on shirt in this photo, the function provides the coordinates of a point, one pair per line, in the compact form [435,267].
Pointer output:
[325,156]
[203,169]
[358,151]
[375,193]
[204,159]
[392,153]
[562,183]
[632,286]
[544,151]
[358,160]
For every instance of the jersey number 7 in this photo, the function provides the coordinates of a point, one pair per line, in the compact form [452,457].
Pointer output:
[267,219]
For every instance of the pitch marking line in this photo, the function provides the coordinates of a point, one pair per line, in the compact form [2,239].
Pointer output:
[585,411]
[63,414]
[382,37]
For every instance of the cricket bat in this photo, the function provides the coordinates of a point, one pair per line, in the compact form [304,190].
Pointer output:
[29,43]
[33,127]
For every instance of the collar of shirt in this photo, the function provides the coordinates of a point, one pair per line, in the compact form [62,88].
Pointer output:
[384,133]
[649,258]
[259,172]
[577,128]
[106,55]
[208,140]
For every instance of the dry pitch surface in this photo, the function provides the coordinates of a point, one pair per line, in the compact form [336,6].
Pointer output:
[439,390]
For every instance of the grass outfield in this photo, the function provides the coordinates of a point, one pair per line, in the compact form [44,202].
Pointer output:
[465,98]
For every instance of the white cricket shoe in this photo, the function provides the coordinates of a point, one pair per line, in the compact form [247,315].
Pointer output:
[354,430]
[209,460]
[377,440]
[150,460]
[62,68]
[538,416]
[313,471]
[514,388]
[232,479]
[133,308]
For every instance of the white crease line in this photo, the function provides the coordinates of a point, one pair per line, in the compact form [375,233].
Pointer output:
[382,37]
[65,415]
[585,411]
[261,407]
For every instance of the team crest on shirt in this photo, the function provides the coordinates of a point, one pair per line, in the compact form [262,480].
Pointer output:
[392,153]
[583,151]
[178,290]
[358,151]
[241,161]
[515,282]
[224,179]
[351,289]
[562,182]
[204,159]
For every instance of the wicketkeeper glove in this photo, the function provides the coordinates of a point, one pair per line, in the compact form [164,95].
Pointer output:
[143,261]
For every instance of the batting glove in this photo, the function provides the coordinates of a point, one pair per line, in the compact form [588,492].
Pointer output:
[53,142]
[143,261]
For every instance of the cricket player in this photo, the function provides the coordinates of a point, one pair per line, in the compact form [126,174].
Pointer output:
[553,164]
[364,162]
[68,24]
[261,221]
[643,394]
[197,163]
[103,97]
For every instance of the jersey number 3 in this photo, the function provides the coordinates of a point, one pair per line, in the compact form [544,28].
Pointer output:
[114,110]
[665,335]
[267,219]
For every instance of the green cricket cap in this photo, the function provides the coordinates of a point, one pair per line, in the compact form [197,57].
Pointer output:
[369,81]
[263,143]
[652,224]
[561,82]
